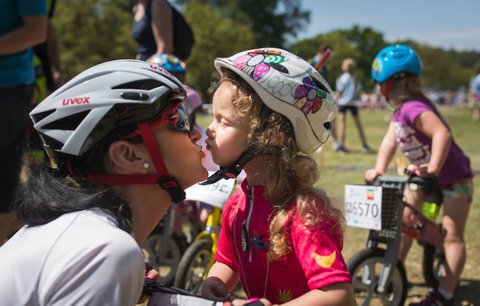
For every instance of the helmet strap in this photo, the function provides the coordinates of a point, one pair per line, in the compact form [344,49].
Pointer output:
[231,171]
[162,178]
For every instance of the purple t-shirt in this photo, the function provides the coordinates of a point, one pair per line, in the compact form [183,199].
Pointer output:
[417,147]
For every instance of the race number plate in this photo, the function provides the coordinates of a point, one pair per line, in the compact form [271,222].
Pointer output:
[363,206]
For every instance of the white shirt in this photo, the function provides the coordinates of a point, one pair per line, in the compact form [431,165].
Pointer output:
[348,89]
[80,258]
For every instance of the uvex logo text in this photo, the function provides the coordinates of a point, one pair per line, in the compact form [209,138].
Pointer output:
[72,101]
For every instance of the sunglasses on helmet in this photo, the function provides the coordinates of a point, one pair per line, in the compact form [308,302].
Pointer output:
[175,116]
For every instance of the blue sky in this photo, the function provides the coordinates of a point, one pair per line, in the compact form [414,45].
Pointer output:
[440,23]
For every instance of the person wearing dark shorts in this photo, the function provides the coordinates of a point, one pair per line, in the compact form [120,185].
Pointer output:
[348,87]
[23,24]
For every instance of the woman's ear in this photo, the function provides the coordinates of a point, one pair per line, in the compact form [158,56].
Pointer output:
[127,157]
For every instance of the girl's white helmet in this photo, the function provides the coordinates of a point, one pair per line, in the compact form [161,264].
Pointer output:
[289,86]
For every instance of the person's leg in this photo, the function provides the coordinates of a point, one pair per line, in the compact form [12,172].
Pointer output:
[14,107]
[334,135]
[455,211]
[416,199]
[358,124]
[476,110]
[341,119]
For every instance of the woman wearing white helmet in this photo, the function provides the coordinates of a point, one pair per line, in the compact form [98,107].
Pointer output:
[120,132]
[280,236]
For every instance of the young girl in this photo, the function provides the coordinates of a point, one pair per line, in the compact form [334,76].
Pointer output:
[425,139]
[280,236]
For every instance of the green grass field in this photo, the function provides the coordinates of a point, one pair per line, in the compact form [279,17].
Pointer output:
[340,169]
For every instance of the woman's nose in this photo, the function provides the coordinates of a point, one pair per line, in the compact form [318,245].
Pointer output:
[195,135]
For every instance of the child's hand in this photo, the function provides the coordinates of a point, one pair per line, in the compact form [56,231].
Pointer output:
[256,302]
[214,289]
[150,273]
[370,176]
[423,170]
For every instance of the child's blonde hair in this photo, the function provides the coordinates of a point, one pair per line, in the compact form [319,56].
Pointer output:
[290,176]
[406,87]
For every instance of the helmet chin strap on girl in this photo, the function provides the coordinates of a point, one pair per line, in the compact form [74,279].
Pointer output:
[236,167]
[162,178]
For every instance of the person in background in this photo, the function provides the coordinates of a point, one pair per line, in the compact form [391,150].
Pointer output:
[49,77]
[347,91]
[152,28]
[320,60]
[418,128]
[47,61]
[475,95]
[23,24]
[123,150]
[280,236]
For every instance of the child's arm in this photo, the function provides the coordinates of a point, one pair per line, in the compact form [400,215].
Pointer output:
[385,154]
[431,125]
[336,294]
[221,280]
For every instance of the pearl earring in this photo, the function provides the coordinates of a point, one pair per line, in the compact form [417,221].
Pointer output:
[146,165]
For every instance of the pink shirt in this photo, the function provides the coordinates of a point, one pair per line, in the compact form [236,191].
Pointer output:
[314,260]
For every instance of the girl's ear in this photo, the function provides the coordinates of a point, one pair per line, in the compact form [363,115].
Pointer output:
[127,157]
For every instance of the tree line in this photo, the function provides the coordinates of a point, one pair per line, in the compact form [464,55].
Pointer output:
[93,31]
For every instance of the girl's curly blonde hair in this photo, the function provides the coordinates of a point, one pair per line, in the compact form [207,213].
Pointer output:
[290,175]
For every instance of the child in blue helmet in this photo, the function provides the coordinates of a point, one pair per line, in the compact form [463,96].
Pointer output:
[425,138]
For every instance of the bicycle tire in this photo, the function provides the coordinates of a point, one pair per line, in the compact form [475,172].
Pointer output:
[433,265]
[193,266]
[365,283]
[166,267]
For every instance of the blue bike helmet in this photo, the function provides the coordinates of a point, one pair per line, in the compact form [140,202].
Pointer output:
[395,59]
[169,62]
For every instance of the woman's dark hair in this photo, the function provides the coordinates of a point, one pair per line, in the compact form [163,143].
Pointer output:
[47,195]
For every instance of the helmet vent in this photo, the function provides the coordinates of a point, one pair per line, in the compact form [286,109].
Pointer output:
[51,143]
[328,125]
[38,117]
[279,67]
[69,123]
[146,84]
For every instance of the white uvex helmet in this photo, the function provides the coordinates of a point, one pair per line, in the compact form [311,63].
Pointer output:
[105,97]
[290,86]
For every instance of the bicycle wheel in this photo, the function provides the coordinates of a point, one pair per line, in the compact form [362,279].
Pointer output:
[168,265]
[365,268]
[433,264]
[193,266]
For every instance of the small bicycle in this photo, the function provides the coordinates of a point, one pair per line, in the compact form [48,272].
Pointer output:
[376,271]
[160,295]
[163,249]
[200,255]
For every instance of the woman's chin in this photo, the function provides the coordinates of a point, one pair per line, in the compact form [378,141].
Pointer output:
[192,180]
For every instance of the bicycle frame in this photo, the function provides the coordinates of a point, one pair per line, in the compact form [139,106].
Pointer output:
[211,231]
[418,227]
[391,233]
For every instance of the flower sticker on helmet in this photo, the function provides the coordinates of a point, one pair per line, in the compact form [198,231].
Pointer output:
[257,63]
[310,96]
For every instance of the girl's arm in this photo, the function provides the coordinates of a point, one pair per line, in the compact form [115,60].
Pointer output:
[340,294]
[430,124]
[162,26]
[385,154]
[221,280]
